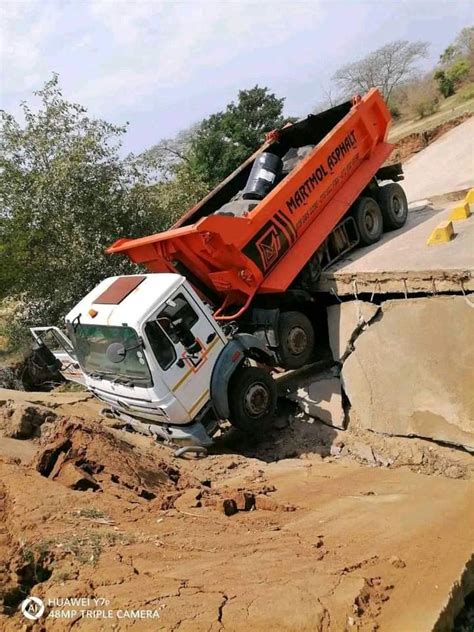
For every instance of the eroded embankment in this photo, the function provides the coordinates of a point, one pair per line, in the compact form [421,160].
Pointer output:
[415,142]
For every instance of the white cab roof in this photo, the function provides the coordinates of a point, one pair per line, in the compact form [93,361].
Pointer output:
[131,310]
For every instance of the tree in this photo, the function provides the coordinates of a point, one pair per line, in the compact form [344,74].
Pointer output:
[65,195]
[445,83]
[448,54]
[456,63]
[464,43]
[450,79]
[166,156]
[423,97]
[384,68]
[175,195]
[224,140]
[331,98]
[177,186]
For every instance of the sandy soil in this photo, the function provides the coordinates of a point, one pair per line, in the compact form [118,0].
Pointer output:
[308,528]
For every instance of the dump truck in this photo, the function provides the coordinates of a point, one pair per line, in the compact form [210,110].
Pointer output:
[230,288]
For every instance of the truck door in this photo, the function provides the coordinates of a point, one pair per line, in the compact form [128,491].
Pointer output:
[62,349]
[186,365]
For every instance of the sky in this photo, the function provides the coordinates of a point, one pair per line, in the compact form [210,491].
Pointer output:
[163,65]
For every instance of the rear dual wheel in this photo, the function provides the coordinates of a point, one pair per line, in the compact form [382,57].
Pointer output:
[394,206]
[389,213]
[368,218]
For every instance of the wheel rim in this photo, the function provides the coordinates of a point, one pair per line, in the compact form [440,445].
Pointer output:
[398,207]
[297,341]
[256,400]
[371,222]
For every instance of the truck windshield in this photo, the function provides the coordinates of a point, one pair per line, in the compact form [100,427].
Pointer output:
[91,343]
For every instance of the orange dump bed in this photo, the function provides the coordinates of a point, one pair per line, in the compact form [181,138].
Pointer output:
[263,252]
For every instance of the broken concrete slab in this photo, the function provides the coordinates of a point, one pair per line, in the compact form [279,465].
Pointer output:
[402,263]
[317,394]
[411,371]
[344,321]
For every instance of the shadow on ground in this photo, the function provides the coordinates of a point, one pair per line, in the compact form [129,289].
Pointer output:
[291,435]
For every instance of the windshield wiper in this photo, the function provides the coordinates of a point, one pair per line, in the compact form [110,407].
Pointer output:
[100,375]
[96,376]
[123,380]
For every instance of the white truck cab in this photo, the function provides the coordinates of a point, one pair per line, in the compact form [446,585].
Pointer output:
[149,348]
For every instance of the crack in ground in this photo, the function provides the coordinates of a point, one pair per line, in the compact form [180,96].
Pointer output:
[221,609]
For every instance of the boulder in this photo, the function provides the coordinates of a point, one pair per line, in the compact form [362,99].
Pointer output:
[320,396]
[411,372]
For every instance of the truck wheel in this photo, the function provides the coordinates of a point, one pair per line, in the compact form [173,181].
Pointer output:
[394,206]
[368,217]
[296,340]
[252,399]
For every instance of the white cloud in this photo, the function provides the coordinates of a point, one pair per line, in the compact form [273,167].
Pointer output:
[26,28]
[158,45]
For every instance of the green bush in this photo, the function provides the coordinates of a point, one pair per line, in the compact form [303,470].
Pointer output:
[445,83]
[66,193]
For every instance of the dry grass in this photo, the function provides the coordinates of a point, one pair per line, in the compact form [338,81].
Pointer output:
[450,108]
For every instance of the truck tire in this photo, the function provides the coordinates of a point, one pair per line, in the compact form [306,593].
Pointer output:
[252,399]
[296,340]
[369,220]
[394,206]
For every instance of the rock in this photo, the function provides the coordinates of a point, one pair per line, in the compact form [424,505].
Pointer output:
[268,504]
[245,501]
[24,420]
[362,451]
[417,455]
[397,562]
[46,459]
[73,477]
[320,396]
[455,471]
[410,374]
[385,461]
[343,321]
[229,507]
[189,499]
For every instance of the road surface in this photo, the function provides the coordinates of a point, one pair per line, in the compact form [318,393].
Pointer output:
[446,165]
[402,261]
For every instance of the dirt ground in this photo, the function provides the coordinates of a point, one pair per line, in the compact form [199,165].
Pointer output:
[414,142]
[307,528]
